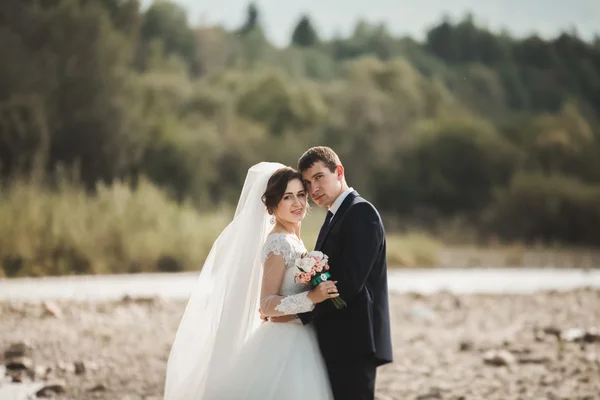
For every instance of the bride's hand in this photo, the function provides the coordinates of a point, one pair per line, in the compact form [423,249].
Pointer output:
[325,290]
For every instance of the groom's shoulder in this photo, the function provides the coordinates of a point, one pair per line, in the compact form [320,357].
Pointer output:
[358,199]
[363,211]
[361,205]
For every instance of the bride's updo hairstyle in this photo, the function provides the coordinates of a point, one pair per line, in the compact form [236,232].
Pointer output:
[276,187]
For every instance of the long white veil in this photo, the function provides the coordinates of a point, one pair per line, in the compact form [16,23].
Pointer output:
[222,311]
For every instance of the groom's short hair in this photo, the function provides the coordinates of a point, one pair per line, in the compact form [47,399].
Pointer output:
[319,153]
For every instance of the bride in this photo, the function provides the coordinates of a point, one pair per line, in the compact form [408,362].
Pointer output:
[221,349]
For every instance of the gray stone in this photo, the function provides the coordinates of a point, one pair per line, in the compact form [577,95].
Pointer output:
[51,388]
[19,349]
[499,358]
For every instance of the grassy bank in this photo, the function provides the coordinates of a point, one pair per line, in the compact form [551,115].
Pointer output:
[120,230]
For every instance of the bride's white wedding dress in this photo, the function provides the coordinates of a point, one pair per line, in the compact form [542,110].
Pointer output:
[222,350]
[280,360]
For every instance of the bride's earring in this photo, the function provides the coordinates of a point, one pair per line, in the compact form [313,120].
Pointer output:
[272,220]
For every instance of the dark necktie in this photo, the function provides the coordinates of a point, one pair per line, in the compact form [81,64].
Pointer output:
[324,229]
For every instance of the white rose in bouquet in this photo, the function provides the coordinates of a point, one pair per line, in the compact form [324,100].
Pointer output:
[306,264]
[316,254]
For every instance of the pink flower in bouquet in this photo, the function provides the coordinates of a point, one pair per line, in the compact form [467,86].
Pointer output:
[319,265]
[311,266]
[306,277]
[307,268]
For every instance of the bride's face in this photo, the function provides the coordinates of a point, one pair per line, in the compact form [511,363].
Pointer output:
[292,207]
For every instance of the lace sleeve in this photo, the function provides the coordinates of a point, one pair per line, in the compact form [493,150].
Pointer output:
[277,245]
[271,303]
[295,304]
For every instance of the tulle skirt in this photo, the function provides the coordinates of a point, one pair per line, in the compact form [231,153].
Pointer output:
[280,361]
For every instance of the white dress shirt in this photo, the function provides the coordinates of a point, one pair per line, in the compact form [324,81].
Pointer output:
[338,202]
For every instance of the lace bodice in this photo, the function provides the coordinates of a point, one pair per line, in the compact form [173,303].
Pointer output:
[281,294]
[290,248]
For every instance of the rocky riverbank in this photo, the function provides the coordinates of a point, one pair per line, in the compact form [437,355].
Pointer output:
[541,346]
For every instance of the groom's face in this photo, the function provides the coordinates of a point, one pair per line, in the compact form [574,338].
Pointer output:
[323,185]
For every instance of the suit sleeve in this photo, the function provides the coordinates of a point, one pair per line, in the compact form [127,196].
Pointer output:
[362,238]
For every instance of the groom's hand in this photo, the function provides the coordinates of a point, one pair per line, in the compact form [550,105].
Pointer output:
[263,318]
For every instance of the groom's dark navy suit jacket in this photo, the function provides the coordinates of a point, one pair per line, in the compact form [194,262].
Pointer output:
[355,242]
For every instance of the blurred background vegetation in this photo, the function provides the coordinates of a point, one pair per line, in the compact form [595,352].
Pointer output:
[126,133]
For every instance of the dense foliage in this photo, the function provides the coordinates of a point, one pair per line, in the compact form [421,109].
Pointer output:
[501,132]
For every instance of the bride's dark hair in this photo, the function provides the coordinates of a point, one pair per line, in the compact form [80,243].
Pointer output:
[276,187]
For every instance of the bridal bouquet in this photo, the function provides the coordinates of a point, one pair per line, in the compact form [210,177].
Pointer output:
[313,268]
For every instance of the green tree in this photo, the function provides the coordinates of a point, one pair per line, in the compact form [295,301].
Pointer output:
[81,83]
[367,39]
[167,22]
[559,143]
[252,23]
[553,208]
[453,167]
[280,106]
[304,34]
[482,90]
[442,41]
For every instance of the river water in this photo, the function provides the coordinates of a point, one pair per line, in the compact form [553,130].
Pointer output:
[179,285]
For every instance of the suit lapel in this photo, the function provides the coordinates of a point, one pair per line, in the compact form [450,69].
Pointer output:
[341,211]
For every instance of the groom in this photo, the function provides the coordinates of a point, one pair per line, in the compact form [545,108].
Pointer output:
[354,340]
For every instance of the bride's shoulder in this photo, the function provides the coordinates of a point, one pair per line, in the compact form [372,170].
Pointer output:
[275,244]
[276,239]
[278,243]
